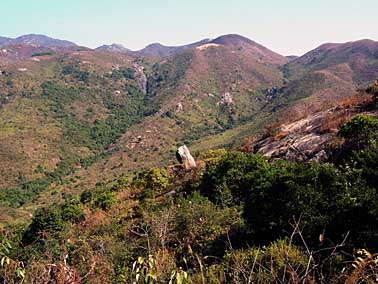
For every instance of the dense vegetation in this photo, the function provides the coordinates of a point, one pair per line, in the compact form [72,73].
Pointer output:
[239,218]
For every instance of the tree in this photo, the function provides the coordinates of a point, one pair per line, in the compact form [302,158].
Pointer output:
[47,222]
[373,90]
[156,180]
[359,131]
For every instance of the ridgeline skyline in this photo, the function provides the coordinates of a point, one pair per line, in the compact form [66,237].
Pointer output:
[289,28]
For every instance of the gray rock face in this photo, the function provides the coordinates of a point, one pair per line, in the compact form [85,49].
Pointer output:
[296,147]
[185,158]
[142,78]
[301,140]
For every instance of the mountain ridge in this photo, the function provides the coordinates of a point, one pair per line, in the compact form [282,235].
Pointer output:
[37,40]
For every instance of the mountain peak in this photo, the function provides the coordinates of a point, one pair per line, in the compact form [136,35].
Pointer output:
[155,45]
[114,47]
[232,39]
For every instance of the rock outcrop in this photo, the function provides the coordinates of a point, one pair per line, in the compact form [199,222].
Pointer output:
[185,158]
[226,99]
[302,140]
[142,78]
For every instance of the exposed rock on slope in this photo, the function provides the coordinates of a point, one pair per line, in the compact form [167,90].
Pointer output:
[185,158]
[302,140]
[142,78]
[113,48]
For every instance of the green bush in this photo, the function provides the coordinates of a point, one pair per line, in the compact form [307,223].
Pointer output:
[46,223]
[104,200]
[360,129]
[153,181]
[157,179]
[72,211]
[275,195]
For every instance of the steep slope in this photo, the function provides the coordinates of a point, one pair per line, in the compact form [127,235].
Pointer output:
[60,113]
[314,82]
[199,92]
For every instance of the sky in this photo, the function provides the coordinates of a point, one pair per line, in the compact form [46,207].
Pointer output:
[289,27]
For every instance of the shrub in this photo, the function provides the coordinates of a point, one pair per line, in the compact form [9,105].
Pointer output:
[156,179]
[359,129]
[272,194]
[72,211]
[47,222]
[373,90]
[104,200]
[86,196]
[280,260]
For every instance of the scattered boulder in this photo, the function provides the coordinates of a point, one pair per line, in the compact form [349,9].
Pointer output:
[226,99]
[179,107]
[185,158]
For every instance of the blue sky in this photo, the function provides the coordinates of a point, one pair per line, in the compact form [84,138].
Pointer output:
[285,26]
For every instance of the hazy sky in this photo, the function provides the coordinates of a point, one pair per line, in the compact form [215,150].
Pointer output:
[285,26]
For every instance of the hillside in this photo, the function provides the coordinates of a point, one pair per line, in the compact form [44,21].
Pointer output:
[83,116]
[199,92]
[316,81]
[269,95]
[234,212]
[58,113]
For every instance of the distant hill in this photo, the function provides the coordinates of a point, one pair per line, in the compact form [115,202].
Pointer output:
[151,50]
[352,61]
[4,40]
[256,51]
[159,50]
[114,48]
[292,57]
[36,40]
